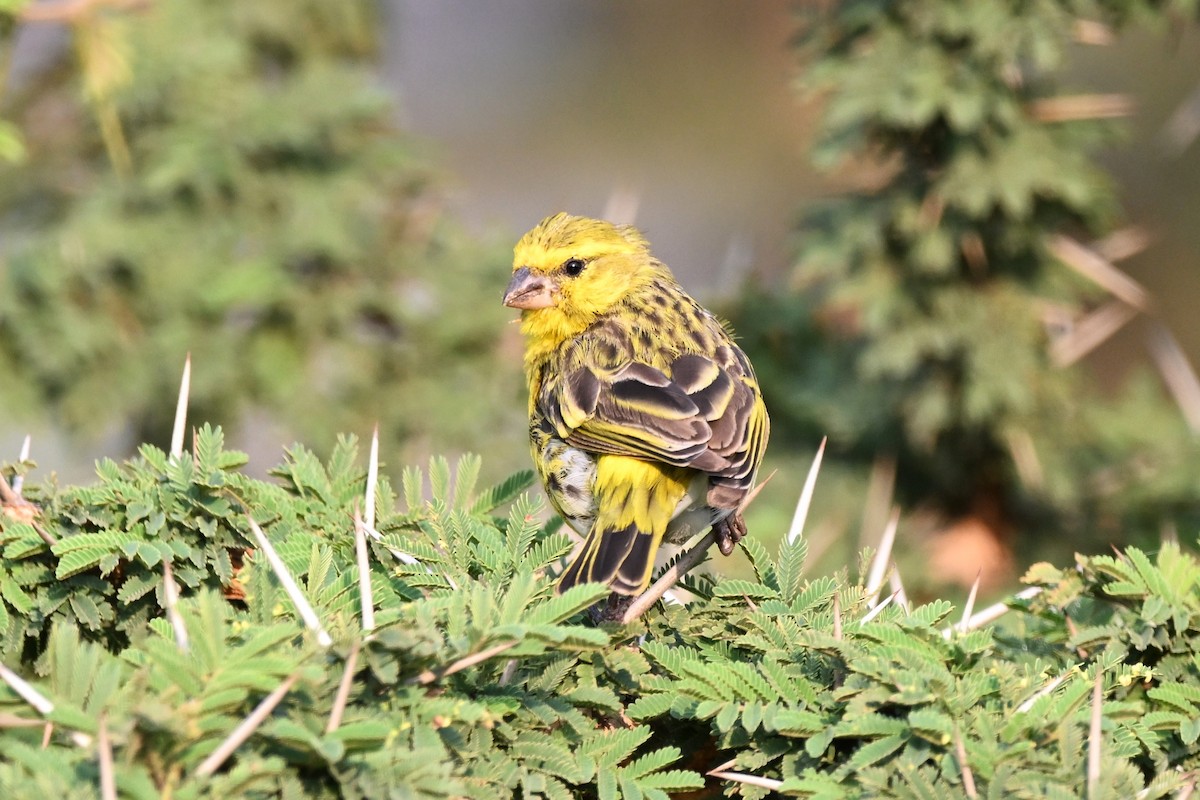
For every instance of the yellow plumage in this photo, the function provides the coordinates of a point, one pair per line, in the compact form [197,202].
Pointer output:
[645,419]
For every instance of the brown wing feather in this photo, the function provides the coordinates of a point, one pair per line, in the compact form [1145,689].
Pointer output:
[700,411]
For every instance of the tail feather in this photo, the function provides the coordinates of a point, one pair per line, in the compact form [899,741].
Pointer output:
[623,558]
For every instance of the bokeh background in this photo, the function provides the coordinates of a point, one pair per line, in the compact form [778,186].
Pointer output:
[317,199]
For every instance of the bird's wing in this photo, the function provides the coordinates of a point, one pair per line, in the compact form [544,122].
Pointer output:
[698,411]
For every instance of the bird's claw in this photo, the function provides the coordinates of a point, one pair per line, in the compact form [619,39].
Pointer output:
[729,532]
[613,610]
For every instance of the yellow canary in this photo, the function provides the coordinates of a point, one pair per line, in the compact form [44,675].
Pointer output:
[645,419]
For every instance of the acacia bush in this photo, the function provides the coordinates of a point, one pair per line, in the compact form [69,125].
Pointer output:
[470,677]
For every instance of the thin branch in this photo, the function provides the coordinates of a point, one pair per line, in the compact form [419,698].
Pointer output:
[968,777]
[806,495]
[29,694]
[181,407]
[429,676]
[969,607]
[1045,690]
[1122,244]
[750,780]
[289,585]
[243,731]
[1183,127]
[685,563]
[668,579]
[882,558]
[364,574]
[722,767]
[1090,332]
[622,205]
[1068,108]
[509,671]
[108,780]
[343,692]
[991,613]
[1178,373]
[372,480]
[1091,265]
[1087,31]
[1094,735]
[171,599]
[897,587]
[876,610]
[19,480]
[881,486]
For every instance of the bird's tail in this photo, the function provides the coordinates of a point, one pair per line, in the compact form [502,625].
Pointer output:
[623,558]
[636,501]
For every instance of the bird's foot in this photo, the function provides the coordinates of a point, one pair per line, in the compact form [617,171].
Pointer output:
[612,610]
[729,532]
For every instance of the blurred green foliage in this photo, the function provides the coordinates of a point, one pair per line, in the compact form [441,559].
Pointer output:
[227,179]
[926,304]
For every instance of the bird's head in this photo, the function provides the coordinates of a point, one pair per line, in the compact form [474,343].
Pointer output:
[568,271]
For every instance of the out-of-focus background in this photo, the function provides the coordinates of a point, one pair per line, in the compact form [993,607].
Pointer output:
[984,295]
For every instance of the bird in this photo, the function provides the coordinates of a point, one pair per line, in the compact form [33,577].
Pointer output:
[646,421]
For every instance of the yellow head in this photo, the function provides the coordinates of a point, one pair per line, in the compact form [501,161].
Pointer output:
[568,271]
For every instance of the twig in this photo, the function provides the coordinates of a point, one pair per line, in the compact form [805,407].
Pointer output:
[343,692]
[1090,332]
[685,563]
[108,781]
[877,609]
[372,480]
[968,777]
[969,607]
[668,579]
[1094,734]
[506,674]
[897,587]
[991,613]
[806,495]
[1091,265]
[40,702]
[1067,108]
[750,780]
[242,732]
[622,205]
[364,574]
[181,406]
[881,486]
[289,585]
[171,599]
[1045,690]
[1087,31]
[882,558]
[29,694]
[19,480]
[1177,372]
[429,676]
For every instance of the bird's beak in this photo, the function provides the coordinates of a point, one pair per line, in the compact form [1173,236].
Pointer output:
[529,291]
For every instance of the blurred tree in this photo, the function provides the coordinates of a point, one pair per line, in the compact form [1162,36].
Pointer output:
[936,309]
[226,178]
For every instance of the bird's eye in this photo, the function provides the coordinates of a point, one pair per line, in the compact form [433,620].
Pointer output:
[574,267]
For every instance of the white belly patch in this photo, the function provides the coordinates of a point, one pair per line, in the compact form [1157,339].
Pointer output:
[570,482]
